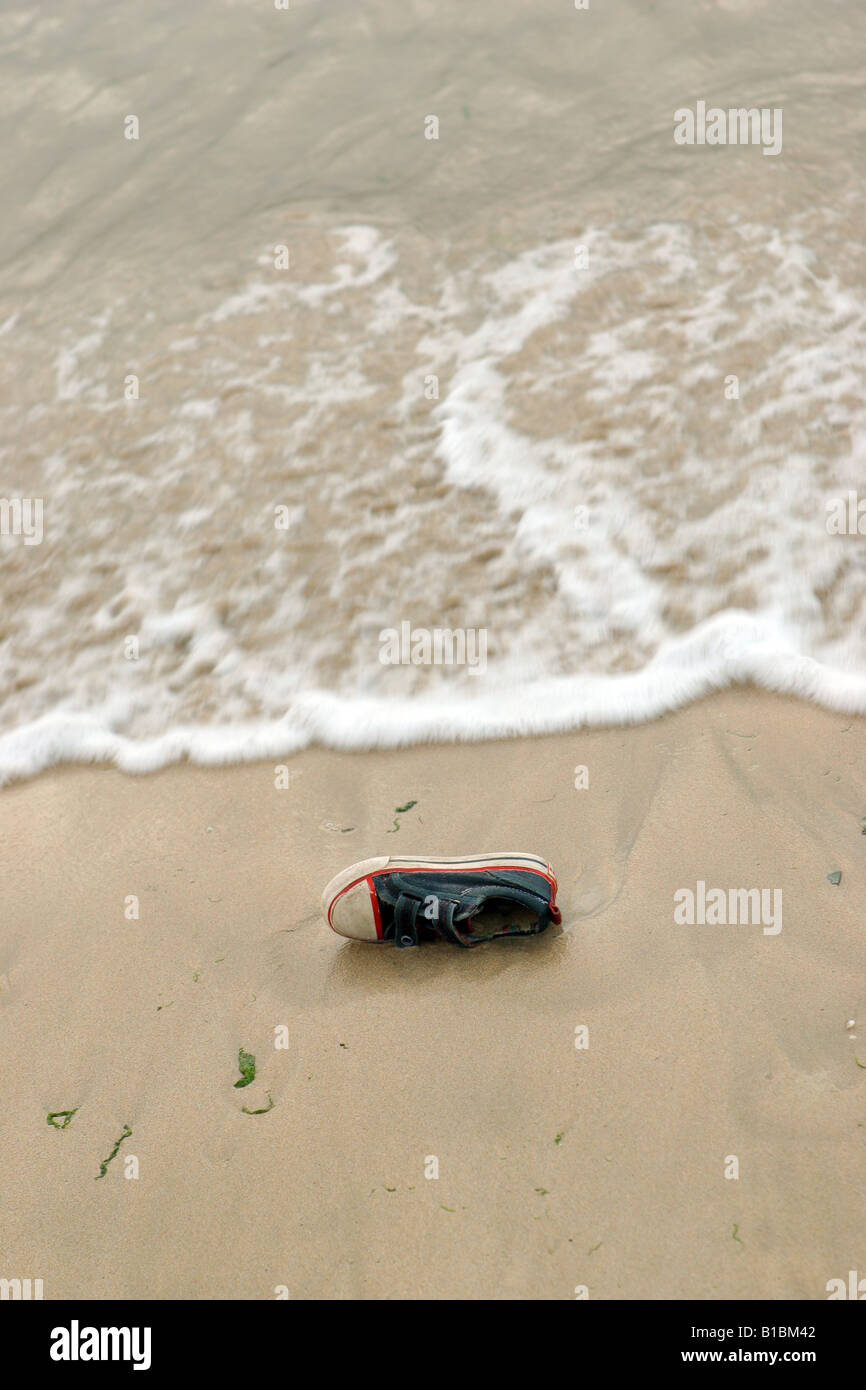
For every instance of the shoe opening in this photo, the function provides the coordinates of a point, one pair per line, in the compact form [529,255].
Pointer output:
[495,916]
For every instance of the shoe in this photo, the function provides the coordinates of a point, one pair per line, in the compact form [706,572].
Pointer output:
[464,901]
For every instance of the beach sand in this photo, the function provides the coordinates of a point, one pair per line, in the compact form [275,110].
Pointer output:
[559,1167]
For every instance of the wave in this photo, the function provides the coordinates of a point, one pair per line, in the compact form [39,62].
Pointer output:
[613,454]
[731,650]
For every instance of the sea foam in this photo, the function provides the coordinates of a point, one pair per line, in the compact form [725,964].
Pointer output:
[544,445]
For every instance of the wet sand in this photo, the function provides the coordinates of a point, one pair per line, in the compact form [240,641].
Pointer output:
[558,1167]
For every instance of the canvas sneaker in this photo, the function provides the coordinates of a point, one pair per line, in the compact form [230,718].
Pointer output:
[463,901]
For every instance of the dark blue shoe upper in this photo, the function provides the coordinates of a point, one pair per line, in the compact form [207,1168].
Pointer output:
[444,903]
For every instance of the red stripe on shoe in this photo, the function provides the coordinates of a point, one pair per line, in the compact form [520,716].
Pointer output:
[375,901]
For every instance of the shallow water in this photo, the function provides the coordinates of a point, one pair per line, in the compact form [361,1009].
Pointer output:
[579,482]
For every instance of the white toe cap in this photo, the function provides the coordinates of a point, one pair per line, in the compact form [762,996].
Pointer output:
[353,912]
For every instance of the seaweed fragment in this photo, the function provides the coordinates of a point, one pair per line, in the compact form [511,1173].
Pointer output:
[66,1115]
[399,811]
[246,1067]
[265,1109]
[103,1167]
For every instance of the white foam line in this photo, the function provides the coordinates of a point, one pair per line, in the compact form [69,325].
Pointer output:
[732,650]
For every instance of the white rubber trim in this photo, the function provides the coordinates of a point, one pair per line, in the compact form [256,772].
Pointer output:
[347,876]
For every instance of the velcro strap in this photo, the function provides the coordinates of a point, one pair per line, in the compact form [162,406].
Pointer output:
[406,921]
[445,925]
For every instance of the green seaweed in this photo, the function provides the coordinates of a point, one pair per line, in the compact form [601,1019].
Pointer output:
[557,1139]
[266,1110]
[399,811]
[593,1248]
[835,877]
[246,1067]
[735,1235]
[103,1167]
[451,1209]
[56,1114]
[859,1063]
[542,1191]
